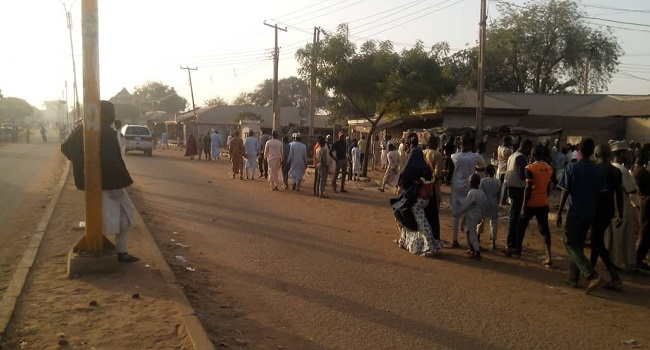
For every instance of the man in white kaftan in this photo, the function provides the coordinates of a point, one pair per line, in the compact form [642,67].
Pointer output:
[298,161]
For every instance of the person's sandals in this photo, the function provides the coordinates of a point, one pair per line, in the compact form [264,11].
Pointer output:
[475,256]
[595,284]
[548,263]
[455,245]
[126,257]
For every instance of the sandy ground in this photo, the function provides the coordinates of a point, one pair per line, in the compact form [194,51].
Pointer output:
[273,270]
[51,304]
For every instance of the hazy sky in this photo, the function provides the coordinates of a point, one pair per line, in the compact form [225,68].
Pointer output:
[143,40]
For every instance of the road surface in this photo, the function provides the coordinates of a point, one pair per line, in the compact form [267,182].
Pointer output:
[287,270]
[28,173]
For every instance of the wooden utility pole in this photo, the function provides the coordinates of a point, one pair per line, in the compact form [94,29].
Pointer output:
[68,18]
[585,82]
[312,83]
[276,59]
[189,73]
[480,107]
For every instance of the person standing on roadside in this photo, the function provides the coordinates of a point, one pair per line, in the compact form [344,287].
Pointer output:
[339,152]
[516,181]
[207,146]
[251,150]
[165,140]
[362,149]
[503,154]
[435,161]
[117,208]
[322,158]
[273,158]
[298,160]
[215,140]
[492,189]
[582,184]
[642,178]
[261,159]
[236,150]
[538,179]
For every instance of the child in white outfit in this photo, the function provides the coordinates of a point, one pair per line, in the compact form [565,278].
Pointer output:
[474,210]
[491,186]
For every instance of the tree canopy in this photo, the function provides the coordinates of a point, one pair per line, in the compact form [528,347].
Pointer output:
[292,92]
[374,81]
[216,101]
[156,96]
[127,113]
[542,47]
[15,109]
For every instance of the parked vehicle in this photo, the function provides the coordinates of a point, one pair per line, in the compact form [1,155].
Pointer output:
[137,138]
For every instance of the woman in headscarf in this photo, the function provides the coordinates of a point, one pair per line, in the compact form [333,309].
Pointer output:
[416,209]
[190,148]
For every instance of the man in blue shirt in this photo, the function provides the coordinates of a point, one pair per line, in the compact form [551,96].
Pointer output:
[582,184]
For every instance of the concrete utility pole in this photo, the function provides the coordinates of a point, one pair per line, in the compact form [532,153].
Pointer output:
[480,107]
[189,73]
[276,59]
[68,17]
[312,84]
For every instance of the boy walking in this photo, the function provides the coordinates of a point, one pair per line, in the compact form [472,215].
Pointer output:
[491,186]
[474,210]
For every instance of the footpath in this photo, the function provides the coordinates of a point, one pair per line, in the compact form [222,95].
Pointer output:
[141,306]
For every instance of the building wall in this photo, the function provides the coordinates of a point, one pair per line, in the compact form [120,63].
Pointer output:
[600,129]
[638,129]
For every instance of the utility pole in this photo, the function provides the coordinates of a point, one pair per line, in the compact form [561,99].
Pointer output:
[585,83]
[480,107]
[312,85]
[67,110]
[189,73]
[276,59]
[68,17]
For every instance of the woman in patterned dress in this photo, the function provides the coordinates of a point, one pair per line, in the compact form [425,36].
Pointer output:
[416,216]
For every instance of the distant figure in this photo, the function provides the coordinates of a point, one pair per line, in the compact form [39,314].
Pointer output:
[251,149]
[474,207]
[191,150]
[273,158]
[392,175]
[165,140]
[216,145]
[298,160]
[491,186]
[236,151]
[321,156]
[199,145]
[44,134]
[285,162]
[27,134]
[357,158]
[207,146]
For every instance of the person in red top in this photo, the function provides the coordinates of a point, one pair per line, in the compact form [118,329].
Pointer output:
[538,179]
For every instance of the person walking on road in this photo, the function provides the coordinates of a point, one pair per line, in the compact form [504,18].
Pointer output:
[117,209]
[236,151]
[516,182]
[605,210]
[435,160]
[339,152]
[251,147]
[215,140]
[466,163]
[322,158]
[474,206]
[165,140]
[503,154]
[582,184]
[392,175]
[190,149]
[491,186]
[539,177]
[286,165]
[261,159]
[357,158]
[207,146]
[298,160]
[273,157]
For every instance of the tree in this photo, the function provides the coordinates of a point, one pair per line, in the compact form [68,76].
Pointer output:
[292,92]
[216,101]
[375,81]
[156,96]
[542,47]
[15,109]
[127,113]
[247,115]
[242,99]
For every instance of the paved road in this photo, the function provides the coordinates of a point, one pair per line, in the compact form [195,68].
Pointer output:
[282,269]
[28,172]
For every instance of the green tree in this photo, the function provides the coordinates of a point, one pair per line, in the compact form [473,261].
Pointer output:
[15,109]
[156,96]
[216,101]
[374,81]
[542,47]
[248,115]
[292,92]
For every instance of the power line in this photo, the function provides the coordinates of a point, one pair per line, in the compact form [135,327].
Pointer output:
[619,22]
[601,7]
[329,13]
[617,27]
[326,7]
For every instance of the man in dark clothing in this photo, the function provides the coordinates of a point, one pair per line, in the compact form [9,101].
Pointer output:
[605,212]
[642,178]
[516,181]
[117,209]
[582,184]
[339,152]
[207,146]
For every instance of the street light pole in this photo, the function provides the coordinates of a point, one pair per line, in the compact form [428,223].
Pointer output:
[68,17]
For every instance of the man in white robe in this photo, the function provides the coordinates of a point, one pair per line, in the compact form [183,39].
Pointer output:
[273,156]
[298,161]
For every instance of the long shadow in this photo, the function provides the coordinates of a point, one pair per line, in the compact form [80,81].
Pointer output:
[436,335]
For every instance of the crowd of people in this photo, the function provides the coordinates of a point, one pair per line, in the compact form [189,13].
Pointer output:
[607,188]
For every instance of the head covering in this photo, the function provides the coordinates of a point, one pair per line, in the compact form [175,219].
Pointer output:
[619,145]
[341,133]
[294,135]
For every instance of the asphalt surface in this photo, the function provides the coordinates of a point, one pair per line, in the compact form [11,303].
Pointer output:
[287,270]
[28,173]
